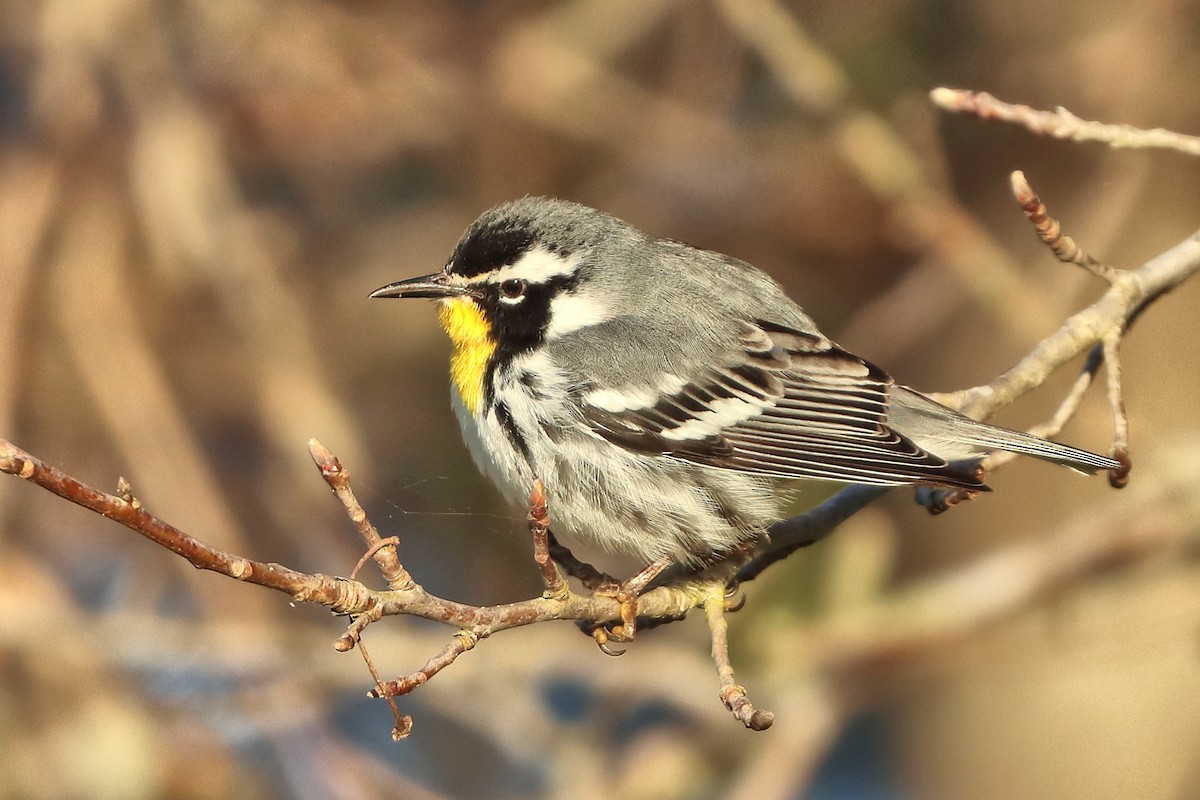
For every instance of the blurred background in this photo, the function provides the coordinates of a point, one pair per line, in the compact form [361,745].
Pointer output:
[196,198]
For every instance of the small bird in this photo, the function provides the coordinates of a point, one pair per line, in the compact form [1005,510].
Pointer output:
[665,394]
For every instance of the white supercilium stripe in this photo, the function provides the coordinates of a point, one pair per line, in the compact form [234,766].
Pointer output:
[537,266]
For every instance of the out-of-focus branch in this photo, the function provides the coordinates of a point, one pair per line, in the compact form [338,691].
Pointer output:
[1062,124]
[1126,298]
[1049,230]
[1098,328]
[1104,321]
[969,597]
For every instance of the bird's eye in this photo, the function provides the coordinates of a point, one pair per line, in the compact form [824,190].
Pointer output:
[513,288]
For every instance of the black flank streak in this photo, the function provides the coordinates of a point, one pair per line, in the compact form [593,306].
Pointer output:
[530,382]
[511,430]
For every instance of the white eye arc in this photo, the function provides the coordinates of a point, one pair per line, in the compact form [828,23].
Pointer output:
[513,289]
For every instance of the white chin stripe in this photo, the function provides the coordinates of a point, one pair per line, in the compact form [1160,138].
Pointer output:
[539,265]
[571,312]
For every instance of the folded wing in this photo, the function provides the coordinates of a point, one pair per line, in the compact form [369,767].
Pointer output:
[787,404]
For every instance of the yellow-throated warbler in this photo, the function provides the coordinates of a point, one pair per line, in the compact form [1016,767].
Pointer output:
[661,392]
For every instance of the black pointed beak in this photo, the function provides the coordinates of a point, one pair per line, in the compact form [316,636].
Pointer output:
[434,285]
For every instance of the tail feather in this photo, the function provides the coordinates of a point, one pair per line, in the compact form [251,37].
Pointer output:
[991,437]
[952,435]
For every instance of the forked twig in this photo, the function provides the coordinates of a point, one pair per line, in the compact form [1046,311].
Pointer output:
[460,642]
[386,557]
[1049,230]
[1102,324]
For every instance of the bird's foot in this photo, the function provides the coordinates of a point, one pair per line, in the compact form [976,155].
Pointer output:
[626,593]
[938,500]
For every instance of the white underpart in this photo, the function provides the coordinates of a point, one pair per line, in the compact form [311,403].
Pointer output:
[572,312]
[647,505]
[539,265]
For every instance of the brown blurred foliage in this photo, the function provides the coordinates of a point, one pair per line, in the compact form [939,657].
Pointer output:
[195,199]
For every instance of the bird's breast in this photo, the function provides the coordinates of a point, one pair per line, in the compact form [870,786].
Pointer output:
[470,333]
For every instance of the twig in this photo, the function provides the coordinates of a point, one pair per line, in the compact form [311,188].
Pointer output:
[1061,123]
[1063,414]
[345,597]
[539,527]
[1050,232]
[1116,402]
[790,535]
[585,573]
[404,723]
[354,630]
[338,478]
[461,642]
[733,694]
[391,541]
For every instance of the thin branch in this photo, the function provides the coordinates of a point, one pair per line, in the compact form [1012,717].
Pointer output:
[342,596]
[733,694]
[1061,123]
[1103,322]
[1116,403]
[591,578]
[338,478]
[460,642]
[1123,301]
[539,527]
[789,535]
[1050,231]
[404,723]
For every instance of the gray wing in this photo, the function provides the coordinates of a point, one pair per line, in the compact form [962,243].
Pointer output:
[787,404]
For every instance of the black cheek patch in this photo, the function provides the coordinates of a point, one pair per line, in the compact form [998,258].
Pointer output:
[520,327]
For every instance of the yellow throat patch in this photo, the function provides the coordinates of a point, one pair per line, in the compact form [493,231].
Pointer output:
[463,320]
